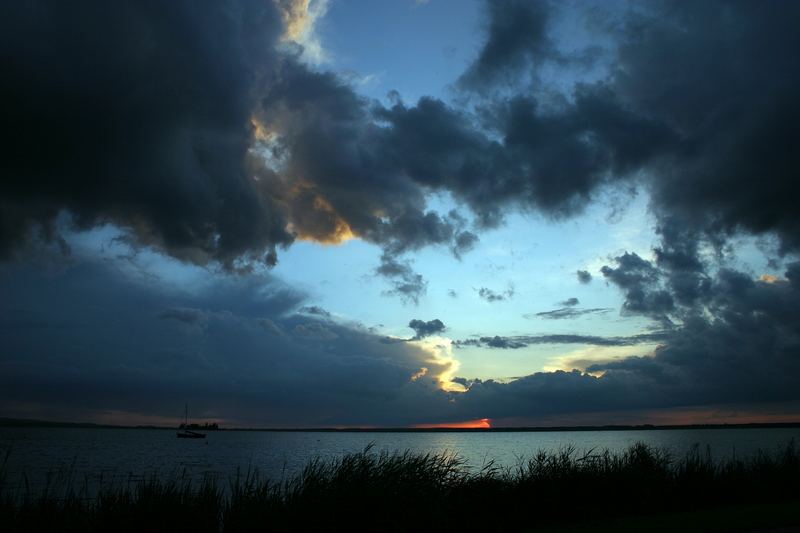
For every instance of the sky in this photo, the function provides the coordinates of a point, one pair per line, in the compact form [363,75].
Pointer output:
[311,213]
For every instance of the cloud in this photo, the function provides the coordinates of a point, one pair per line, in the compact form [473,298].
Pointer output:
[742,351]
[516,36]
[570,302]
[696,151]
[464,242]
[584,276]
[793,274]
[424,328]
[300,19]
[315,310]
[730,125]
[186,315]
[735,339]
[491,296]
[314,330]
[569,312]
[221,159]
[210,142]
[521,341]
[406,283]
[585,357]
[245,148]
[148,133]
[640,282]
[123,345]
[257,360]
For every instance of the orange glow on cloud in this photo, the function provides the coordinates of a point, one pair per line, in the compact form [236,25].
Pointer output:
[322,223]
[480,423]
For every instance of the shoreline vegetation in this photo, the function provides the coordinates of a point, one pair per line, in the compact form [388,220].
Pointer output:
[32,423]
[642,488]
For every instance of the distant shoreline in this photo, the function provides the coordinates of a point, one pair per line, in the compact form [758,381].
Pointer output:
[30,423]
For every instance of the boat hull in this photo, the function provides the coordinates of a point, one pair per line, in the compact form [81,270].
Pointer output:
[190,435]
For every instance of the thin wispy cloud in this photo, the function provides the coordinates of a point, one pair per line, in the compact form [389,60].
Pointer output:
[569,312]
[522,341]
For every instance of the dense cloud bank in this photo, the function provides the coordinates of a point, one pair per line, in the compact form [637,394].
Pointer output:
[207,138]
[97,337]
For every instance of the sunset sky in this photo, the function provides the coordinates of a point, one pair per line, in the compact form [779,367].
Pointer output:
[342,213]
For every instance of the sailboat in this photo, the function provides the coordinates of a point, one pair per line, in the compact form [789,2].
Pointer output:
[185,433]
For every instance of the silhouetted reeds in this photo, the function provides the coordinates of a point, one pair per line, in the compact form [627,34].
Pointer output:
[411,491]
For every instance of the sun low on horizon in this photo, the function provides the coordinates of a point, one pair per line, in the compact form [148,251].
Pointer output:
[482,423]
[435,214]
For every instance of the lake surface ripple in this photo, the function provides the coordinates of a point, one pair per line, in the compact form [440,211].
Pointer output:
[90,457]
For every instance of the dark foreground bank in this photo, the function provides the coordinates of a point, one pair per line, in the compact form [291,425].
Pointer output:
[640,489]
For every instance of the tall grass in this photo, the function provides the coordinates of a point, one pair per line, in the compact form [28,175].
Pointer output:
[411,491]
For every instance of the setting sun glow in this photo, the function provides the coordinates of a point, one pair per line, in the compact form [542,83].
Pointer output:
[480,423]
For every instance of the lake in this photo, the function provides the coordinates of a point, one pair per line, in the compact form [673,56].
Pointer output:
[95,456]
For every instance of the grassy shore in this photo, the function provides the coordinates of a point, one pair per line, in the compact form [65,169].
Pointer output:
[640,489]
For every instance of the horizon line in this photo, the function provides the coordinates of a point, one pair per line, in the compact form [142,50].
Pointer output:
[26,422]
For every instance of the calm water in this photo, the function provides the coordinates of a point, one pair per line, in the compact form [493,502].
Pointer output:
[117,455]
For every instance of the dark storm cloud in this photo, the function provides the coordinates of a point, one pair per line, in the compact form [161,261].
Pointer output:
[569,312]
[137,113]
[748,350]
[166,146]
[185,127]
[679,260]
[516,37]
[737,118]
[793,274]
[700,95]
[639,281]
[570,302]
[556,169]
[100,339]
[493,296]
[424,328]
[584,276]
[350,168]
[528,156]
